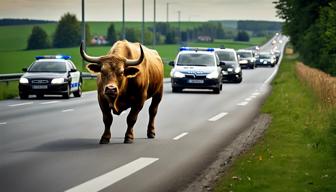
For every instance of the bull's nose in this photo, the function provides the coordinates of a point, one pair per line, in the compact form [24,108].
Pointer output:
[111,90]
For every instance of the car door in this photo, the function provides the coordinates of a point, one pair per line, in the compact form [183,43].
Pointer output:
[75,77]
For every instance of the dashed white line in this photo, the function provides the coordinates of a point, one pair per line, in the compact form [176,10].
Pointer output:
[49,102]
[256,93]
[67,110]
[113,176]
[180,136]
[217,117]
[242,103]
[248,99]
[21,104]
[3,123]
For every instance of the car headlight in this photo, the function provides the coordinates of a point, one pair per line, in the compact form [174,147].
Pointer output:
[243,62]
[57,81]
[230,69]
[24,80]
[237,70]
[213,75]
[178,74]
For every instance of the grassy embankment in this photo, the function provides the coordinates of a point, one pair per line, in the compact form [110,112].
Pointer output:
[13,57]
[298,151]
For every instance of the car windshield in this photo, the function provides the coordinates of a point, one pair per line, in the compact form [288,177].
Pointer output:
[245,54]
[48,66]
[264,56]
[226,56]
[196,59]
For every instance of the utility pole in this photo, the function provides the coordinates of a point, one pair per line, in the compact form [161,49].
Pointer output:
[83,32]
[179,26]
[154,27]
[143,23]
[123,20]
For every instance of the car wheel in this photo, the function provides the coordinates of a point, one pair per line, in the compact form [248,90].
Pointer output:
[23,96]
[239,80]
[216,90]
[67,94]
[78,93]
[272,65]
[176,90]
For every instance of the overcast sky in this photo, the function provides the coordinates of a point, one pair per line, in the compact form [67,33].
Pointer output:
[111,10]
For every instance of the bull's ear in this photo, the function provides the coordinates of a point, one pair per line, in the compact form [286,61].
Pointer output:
[93,67]
[131,72]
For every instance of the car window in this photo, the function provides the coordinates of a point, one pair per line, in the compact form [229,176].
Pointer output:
[244,54]
[264,56]
[196,59]
[226,56]
[48,66]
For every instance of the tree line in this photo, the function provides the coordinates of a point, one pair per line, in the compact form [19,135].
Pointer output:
[68,34]
[312,29]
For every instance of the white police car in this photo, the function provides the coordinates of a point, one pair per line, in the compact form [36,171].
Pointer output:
[196,68]
[51,75]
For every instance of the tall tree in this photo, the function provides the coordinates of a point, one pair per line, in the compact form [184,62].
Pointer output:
[38,39]
[67,32]
[111,34]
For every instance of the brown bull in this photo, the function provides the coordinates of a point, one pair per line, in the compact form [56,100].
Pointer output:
[126,77]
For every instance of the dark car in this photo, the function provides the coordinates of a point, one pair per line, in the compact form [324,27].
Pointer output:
[246,58]
[231,69]
[196,68]
[266,59]
[50,75]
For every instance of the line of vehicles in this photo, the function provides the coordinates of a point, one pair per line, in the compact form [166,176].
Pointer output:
[193,67]
[208,68]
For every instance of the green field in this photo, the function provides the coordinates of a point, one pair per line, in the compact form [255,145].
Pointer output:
[298,151]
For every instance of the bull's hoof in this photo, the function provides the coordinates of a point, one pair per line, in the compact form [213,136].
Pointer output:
[151,135]
[128,140]
[104,140]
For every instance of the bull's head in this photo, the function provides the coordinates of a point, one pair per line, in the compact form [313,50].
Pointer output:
[114,71]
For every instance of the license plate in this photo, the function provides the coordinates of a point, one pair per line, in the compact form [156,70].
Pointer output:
[40,86]
[195,81]
[265,62]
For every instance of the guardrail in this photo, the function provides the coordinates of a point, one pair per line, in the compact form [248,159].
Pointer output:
[16,76]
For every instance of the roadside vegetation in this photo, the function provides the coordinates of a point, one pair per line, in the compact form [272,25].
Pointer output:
[298,150]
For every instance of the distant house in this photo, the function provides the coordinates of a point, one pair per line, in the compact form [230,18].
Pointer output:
[204,38]
[99,40]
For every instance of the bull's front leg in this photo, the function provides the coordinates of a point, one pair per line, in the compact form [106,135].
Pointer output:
[107,118]
[131,119]
[152,113]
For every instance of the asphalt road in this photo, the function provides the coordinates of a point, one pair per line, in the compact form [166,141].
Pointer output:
[52,144]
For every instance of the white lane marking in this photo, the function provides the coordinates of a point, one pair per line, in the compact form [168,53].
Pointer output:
[243,103]
[217,117]
[248,99]
[49,102]
[180,136]
[3,123]
[256,93]
[67,110]
[271,77]
[113,176]
[21,104]
[253,96]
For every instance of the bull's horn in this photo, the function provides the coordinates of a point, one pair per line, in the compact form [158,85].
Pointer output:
[136,61]
[87,57]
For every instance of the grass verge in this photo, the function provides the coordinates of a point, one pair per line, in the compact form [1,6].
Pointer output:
[298,151]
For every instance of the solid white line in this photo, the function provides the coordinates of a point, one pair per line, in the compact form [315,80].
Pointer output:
[114,176]
[242,103]
[3,123]
[20,104]
[49,102]
[271,77]
[67,110]
[217,117]
[180,136]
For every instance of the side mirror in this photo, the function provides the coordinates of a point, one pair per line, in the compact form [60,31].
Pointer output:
[221,63]
[171,63]
[24,69]
[73,70]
